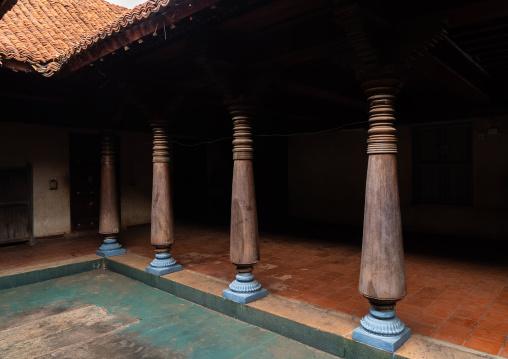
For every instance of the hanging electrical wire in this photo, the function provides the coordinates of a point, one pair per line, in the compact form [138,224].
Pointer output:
[273,135]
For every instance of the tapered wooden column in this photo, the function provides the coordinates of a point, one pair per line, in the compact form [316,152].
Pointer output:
[109,220]
[162,210]
[382,275]
[244,242]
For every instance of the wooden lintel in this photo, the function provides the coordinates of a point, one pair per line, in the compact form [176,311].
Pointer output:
[136,32]
[24,96]
[304,55]
[270,14]
[441,73]
[326,95]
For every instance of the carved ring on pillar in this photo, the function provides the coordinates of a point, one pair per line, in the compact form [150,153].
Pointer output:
[382,134]
[242,131]
[160,143]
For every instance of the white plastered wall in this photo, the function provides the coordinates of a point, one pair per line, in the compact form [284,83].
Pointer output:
[47,148]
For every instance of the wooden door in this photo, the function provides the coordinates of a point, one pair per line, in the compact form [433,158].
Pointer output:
[16,204]
[85,180]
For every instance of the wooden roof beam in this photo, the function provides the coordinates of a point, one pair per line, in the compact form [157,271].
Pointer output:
[444,75]
[322,94]
[463,16]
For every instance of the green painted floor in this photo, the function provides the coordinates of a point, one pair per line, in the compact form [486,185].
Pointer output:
[102,314]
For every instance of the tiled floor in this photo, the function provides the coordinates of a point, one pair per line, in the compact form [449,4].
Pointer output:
[457,288]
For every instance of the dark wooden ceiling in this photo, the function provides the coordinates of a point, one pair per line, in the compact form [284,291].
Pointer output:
[450,55]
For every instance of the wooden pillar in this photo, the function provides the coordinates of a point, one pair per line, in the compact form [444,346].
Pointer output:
[244,242]
[382,275]
[109,220]
[162,210]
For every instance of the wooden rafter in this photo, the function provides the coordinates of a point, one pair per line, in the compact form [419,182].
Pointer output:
[319,93]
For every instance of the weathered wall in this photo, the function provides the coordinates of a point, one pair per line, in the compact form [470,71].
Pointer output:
[135,178]
[327,181]
[47,148]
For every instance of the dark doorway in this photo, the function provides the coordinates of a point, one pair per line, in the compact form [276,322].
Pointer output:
[16,204]
[85,180]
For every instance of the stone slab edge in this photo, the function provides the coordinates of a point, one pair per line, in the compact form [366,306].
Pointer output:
[318,327]
[323,329]
[38,273]
[201,289]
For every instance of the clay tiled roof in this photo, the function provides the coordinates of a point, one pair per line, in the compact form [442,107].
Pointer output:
[46,33]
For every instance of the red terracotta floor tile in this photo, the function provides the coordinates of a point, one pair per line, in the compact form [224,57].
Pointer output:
[488,334]
[405,317]
[418,301]
[454,330]
[502,308]
[483,345]
[326,303]
[430,320]
[289,293]
[469,314]
[421,328]
[504,351]
[496,315]
[313,296]
[480,300]
[442,308]
[463,322]
[355,304]
[494,325]
[448,338]
[344,310]
[502,299]
[338,297]
[402,306]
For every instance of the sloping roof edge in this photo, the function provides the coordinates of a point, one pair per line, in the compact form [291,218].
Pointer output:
[138,13]
[90,46]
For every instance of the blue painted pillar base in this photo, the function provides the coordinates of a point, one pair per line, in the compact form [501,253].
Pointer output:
[110,248]
[382,330]
[163,264]
[244,289]
[244,298]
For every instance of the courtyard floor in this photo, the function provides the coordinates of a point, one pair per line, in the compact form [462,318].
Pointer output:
[457,287]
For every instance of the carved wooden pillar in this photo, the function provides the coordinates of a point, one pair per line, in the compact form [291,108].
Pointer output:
[382,275]
[244,242]
[109,220]
[162,210]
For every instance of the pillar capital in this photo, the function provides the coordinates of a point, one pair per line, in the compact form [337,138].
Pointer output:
[107,149]
[242,131]
[381,94]
[160,142]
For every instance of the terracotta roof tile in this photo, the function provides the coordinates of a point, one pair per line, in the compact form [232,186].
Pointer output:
[46,33]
